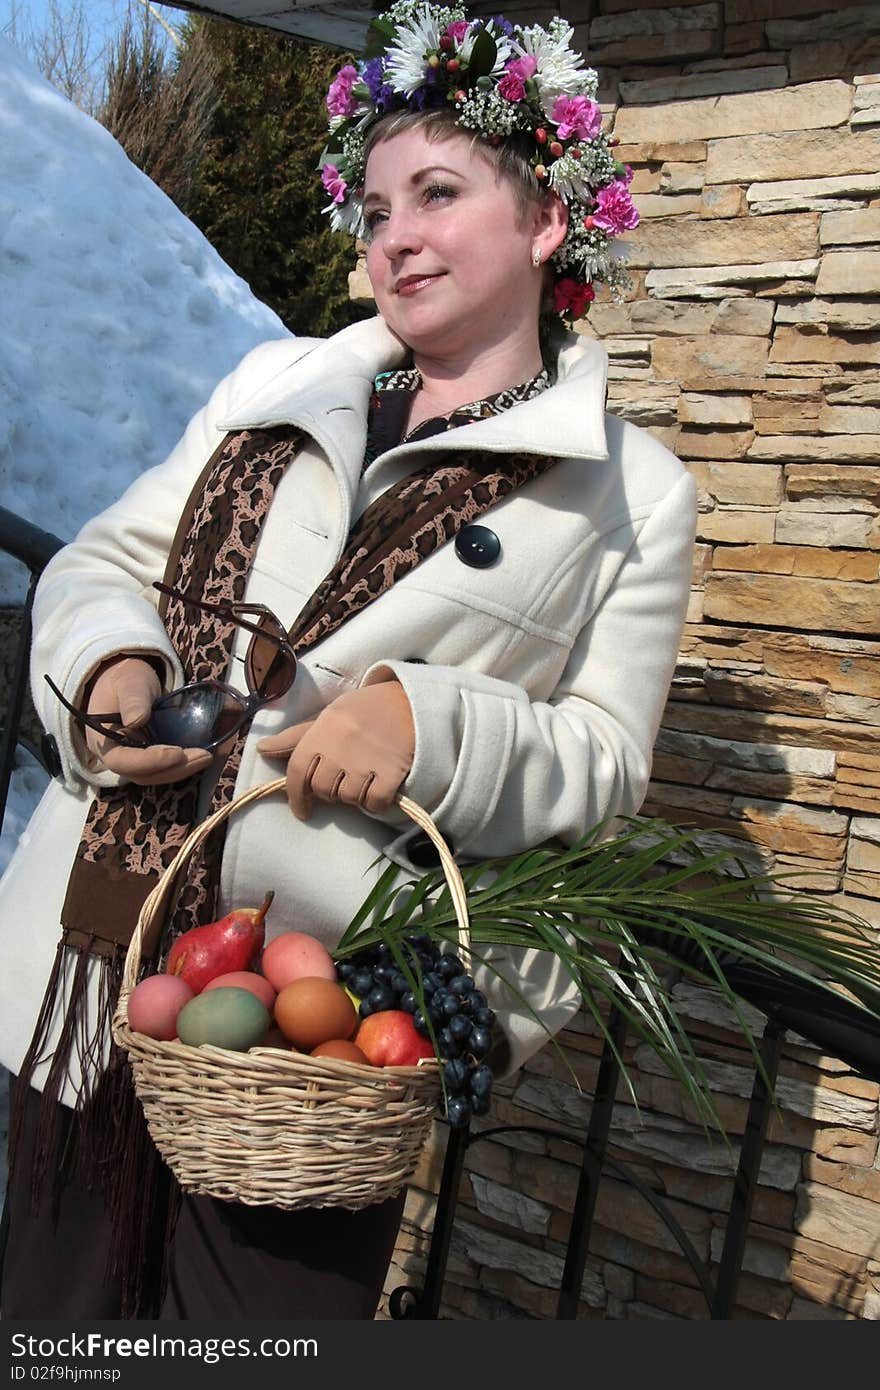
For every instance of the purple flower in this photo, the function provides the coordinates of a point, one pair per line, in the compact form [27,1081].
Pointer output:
[373,75]
[340,101]
[502,25]
[577,116]
[382,94]
[516,73]
[334,183]
[615,211]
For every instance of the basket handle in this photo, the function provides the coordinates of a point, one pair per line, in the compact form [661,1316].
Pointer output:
[157,900]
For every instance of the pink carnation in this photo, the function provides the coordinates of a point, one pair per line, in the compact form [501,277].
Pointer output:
[571,297]
[517,72]
[577,116]
[334,183]
[340,101]
[457,29]
[615,210]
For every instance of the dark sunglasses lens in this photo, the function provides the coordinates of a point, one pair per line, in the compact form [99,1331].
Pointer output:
[269,670]
[195,718]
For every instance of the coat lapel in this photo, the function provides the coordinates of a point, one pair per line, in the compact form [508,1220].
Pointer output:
[326,392]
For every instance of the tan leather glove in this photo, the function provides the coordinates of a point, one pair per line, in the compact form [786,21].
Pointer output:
[358,750]
[130,685]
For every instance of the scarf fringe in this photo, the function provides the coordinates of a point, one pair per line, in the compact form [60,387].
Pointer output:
[109,1148]
[47,1136]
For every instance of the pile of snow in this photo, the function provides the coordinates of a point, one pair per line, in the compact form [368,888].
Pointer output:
[118,318]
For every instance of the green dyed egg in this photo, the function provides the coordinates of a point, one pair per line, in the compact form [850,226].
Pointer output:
[227,1017]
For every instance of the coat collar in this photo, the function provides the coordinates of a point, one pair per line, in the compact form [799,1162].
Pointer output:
[326,392]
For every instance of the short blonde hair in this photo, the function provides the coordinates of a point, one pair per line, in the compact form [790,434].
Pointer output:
[509,157]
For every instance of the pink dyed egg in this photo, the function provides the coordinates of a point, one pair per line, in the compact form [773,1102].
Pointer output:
[245,979]
[294,956]
[154,1004]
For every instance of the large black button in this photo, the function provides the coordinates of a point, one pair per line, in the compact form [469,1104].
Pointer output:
[477,546]
[50,755]
[421,850]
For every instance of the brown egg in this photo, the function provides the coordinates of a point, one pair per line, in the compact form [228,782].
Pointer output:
[275,1038]
[310,1011]
[342,1050]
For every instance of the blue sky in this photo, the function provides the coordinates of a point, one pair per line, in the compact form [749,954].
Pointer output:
[103,16]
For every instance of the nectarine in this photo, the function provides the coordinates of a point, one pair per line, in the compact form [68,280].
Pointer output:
[390,1039]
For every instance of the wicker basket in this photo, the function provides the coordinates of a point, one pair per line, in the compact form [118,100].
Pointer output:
[268,1127]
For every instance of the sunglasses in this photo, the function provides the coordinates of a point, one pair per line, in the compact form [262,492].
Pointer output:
[206,713]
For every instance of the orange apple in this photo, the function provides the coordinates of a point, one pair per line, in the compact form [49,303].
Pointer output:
[390,1039]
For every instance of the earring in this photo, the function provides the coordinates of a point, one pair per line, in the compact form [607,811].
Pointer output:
[536,256]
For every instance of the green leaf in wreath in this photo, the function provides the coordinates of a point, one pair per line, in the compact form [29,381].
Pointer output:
[483,55]
[378,34]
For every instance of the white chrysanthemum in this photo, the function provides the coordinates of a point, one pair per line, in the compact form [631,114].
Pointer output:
[560,70]
[405,60]
[347,217]
[503,46]
[567,179]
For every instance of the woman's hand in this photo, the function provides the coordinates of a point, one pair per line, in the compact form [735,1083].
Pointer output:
[130,685]
[358,750]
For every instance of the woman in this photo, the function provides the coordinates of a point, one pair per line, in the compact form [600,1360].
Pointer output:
[510,680]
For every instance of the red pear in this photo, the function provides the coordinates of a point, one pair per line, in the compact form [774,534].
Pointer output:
[231,943]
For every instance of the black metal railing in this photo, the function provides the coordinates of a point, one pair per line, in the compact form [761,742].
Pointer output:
[34,549]
[413,1301]
[834,1024]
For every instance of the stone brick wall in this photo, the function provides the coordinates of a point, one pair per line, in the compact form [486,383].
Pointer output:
[749,345]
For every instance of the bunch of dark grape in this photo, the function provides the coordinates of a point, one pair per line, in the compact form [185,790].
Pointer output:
[459,1013]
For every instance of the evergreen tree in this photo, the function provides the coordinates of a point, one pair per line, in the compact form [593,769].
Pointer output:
[257,195]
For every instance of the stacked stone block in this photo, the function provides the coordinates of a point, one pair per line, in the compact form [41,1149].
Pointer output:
[748,344]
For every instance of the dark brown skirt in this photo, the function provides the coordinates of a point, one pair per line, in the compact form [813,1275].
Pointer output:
[224,1260]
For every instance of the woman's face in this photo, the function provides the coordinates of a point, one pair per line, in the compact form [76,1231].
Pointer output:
[450,253]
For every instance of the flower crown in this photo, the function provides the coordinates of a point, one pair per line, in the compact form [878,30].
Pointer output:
[501,80]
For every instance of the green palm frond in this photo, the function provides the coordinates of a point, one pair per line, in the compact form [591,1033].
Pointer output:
[618,912]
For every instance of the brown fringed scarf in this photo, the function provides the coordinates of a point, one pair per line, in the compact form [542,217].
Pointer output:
[132,834]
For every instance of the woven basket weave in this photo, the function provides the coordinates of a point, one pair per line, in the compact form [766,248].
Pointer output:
[268,1127]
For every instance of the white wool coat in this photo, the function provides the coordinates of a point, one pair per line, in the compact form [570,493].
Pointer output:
[541,679]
